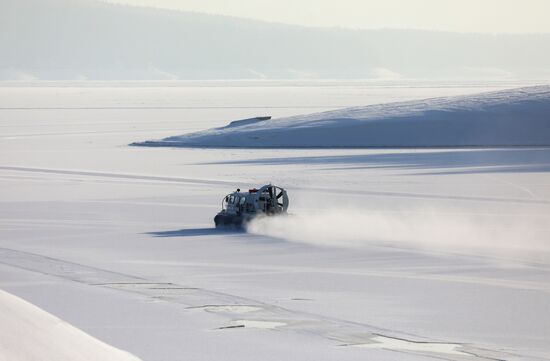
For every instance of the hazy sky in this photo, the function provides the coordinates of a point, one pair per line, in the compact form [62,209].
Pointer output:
[487,16]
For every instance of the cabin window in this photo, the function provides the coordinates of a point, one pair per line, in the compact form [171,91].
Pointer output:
[243,200]
[231,199]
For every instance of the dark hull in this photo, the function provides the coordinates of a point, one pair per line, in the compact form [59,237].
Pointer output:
[229,220]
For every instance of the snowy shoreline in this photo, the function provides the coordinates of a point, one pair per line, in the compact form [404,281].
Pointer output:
[164,144]
[509,118]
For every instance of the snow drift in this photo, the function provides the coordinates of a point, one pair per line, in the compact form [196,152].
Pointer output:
[29,333]
[516,117]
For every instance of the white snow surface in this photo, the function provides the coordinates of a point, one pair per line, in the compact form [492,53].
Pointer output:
[425,254]
[28,333]
[516,117]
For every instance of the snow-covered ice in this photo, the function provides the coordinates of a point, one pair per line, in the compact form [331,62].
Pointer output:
[517,117]
[389,254]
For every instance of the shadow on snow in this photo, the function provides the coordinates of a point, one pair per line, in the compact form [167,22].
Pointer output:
[195,232]
[441,162]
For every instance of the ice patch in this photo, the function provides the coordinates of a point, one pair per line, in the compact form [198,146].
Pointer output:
[266,325]
[231,308]
[389,343]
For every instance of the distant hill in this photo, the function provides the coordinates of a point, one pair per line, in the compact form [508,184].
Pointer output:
[517,117]
[86,39]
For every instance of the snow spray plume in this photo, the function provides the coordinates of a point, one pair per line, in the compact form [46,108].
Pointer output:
[435,230]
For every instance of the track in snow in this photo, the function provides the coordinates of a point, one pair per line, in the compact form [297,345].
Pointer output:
[245,312]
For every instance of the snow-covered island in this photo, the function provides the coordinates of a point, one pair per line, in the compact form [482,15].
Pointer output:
[516,117]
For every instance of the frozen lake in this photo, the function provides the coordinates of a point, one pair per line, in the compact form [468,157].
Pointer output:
[408,254]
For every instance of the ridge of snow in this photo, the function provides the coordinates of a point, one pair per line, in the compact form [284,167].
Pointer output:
[30,333]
